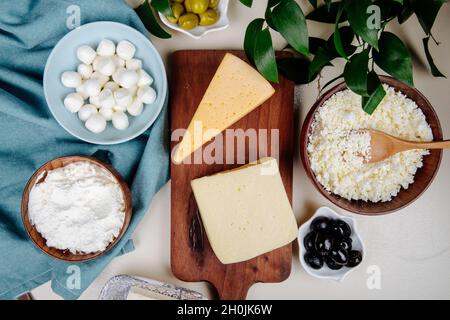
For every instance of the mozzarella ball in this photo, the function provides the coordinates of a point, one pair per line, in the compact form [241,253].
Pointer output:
[144,78]
[96,123]
[118,61]
[95,100]
[119,108]
[120,120]
[128,78]
[92,87]
[80,90]
[73,102]
[111,85]
[95,63]
[134,64]
[86,54]
[146,94]
[101,78]
[106,48]
[106,113]
[135,108]
[71,79]
[106,66]
[106,99]
[123,97]
[126,50]
[86,112]
[85,70]
[133,90]
[116,75]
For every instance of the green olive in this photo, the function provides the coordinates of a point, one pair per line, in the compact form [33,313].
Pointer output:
[188,21]
[198,6]
[213,3]
[177,10]
[187,5]
[208,17]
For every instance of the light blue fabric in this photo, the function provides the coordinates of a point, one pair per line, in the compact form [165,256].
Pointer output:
[29,136]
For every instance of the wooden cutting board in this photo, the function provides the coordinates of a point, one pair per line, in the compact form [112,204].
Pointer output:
[192,258]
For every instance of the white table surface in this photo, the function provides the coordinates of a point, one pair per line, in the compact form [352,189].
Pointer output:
[411,248]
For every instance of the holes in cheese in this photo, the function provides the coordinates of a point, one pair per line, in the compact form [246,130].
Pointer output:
[235,90]
[245,211]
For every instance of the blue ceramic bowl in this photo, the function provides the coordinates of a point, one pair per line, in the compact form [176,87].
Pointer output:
[63,58]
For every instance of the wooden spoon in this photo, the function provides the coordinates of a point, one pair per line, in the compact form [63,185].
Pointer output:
[384,145]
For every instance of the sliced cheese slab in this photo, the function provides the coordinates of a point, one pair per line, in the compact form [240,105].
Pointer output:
[245,211]
[235,90]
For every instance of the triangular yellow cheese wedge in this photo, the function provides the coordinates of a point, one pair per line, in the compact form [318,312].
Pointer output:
[235,90]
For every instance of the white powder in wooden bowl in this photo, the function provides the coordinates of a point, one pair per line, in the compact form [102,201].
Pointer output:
[79,207]
[334,146]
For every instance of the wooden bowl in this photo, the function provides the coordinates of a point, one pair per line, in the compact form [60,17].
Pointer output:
[37,238]
[423,178]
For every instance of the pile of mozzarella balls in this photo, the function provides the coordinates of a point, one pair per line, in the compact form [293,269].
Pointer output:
[109,83]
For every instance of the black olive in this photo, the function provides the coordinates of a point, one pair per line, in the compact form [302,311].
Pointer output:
[323,243]
[332,264]
[340,256]
[309,241]
[313,260]
[344,243]
[341,229]
[320,224]
[354,258]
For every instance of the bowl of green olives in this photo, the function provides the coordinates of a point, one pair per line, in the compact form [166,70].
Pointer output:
[330,246]
[197,18]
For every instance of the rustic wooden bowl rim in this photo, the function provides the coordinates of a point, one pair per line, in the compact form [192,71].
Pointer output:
[351,205]
[66,255]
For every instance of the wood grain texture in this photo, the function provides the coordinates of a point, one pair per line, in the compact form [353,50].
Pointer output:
[192,258]
[37,238]
[423,177]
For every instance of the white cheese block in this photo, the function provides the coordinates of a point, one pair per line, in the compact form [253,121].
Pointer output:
[235,90]
[245,211]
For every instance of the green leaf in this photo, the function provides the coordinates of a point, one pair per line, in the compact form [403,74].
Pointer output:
[321,59]
[355,72]
[162,6]
[273,3]
[405,14]
[313,3]
[337,36]
[346,36]
[295,69]
[289,20]
[434,70]
[315,44]
[358,18]
[376,93]
[146,14]
[264,56]
[389,8]
[250,38]
[426,12]
[247,3]
[325,15]
[394,58]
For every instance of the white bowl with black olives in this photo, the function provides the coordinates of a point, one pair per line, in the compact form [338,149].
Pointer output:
[330,245]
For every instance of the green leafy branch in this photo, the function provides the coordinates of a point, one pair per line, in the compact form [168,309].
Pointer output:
[359,37]
[355,21]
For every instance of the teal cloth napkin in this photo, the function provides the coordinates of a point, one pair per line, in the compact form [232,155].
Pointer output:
[29,136]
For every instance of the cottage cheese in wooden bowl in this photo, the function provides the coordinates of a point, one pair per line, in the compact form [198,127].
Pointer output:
[334,150]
